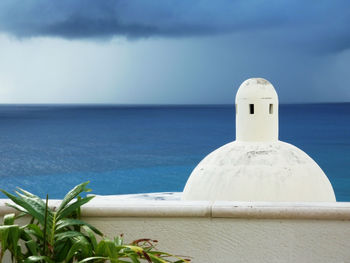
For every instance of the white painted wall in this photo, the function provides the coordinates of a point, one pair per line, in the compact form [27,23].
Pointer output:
[228,232]
[226,240]
[237,232]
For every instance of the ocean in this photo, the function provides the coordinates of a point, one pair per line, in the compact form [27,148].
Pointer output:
[139,149]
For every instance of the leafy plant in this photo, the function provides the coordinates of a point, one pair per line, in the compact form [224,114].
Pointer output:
[58,235]
[115,251]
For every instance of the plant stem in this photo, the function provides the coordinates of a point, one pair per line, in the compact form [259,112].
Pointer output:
[53,228]
[45,222]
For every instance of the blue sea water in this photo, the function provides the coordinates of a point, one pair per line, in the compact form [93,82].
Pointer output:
[121,150]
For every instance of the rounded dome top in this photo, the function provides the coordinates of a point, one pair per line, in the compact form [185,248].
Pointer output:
[265,171]
[256,88]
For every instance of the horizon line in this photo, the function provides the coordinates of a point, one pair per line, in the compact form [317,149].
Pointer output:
[154,105]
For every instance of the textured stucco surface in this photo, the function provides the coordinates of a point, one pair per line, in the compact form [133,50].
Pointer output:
[229,231]
[259,171]
[227,240]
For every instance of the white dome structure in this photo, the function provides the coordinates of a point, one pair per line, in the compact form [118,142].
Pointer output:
[257,166]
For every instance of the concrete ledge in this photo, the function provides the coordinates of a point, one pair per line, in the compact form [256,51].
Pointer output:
[146,209]
[322,211]
[261,210]
[256,210]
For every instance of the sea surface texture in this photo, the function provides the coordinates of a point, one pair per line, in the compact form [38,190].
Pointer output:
[123,150]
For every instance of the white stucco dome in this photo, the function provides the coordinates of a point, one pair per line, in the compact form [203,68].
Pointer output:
[256,88]
[257,166]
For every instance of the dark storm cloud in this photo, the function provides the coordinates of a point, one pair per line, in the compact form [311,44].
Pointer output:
[84,27]
[132,18]
[319,25]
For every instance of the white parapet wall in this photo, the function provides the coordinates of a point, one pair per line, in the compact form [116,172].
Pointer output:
[229,231]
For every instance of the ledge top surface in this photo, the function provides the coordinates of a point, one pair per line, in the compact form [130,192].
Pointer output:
[170,205]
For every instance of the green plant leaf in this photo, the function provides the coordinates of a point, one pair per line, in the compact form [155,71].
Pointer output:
[119,240]
[94,259]
[35,199]
[100,250]
[25,235]
[134,258]
[32,247]
[136,249]
[33,207]
[4,232]
[73,194]
[156,259]
[9,236]
[107,248]
[14,237]
[38,258]
[65,222]
[9,219]
[80,246]
[91,236]
[61,250]
[72,207]
[35,230]
[21,214]
[66,234]
[30,195]
[17,208]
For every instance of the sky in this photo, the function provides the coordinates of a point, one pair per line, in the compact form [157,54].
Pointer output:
[172,51]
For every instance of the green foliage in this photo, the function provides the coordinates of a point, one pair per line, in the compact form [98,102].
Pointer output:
[60,236]
[143,250]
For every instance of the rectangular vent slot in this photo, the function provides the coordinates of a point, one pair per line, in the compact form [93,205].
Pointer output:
[251,108]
